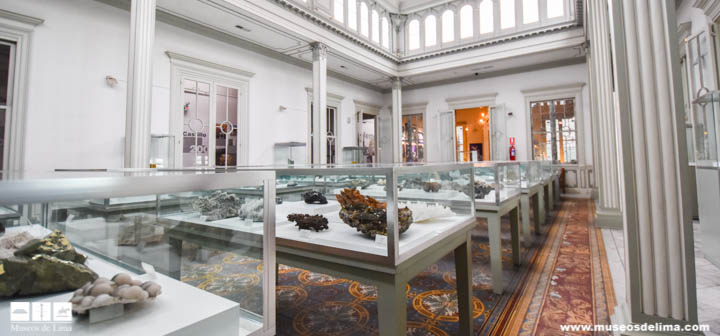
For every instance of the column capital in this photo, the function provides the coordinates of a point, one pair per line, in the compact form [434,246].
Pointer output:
[318,50]
[396,83]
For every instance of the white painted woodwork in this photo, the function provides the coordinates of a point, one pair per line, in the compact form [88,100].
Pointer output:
[319,137]
[397,119]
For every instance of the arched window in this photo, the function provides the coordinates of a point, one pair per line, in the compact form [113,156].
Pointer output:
[414,35]
[555,8]
[430,31]
[338,13]
[352,14]
[486,17]
[364,29]
[385,29]
[375,26]
[530,11]
[448,26]
[507,14]
[466,22]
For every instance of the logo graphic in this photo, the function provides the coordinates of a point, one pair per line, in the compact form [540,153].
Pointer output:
[19,311]
[62,311]
[41,311]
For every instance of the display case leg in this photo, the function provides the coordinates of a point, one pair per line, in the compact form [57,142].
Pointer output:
[392,306]
[536,213]
[495,253]
[463,272]
[525,211]
[175,258]
[515,235]
[541,206]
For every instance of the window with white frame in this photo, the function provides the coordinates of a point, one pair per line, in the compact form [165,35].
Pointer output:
[530,11]
[375,26]
[7,54]
[338,10]
[466,21]
[448,26]
[414,35]
[331,138]
[430,31]
[487,18]
[554,135]
[385,28]
[364,24]
[555,8]
[507,14]
[352,14]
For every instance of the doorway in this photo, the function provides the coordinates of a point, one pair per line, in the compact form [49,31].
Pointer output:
[413,138]
[368,137]
[472,134]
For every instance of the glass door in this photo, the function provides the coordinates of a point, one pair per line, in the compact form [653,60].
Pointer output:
[7,53]
[413,138]
[331,138]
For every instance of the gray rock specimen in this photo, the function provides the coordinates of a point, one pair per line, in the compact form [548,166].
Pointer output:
[218,205]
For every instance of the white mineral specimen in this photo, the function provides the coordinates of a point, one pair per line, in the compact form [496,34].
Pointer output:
[121,289]
[422,211]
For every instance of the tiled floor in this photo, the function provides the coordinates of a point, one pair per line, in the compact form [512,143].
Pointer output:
[707,278]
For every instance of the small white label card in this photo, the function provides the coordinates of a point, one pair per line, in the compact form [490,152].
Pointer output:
[380,240]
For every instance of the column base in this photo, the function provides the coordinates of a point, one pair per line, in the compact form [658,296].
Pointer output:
[608,218]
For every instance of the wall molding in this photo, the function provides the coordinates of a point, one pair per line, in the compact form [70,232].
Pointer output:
[487,99]
[710,7]
[176,58]
[416,108]
[366,107]
[21,18]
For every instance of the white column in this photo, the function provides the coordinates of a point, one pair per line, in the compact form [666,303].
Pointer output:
[397,119]
[605,148]
[139,90]
[659,244]
[319,136]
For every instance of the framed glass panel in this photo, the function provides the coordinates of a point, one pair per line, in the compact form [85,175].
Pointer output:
[196,121]
[413,138]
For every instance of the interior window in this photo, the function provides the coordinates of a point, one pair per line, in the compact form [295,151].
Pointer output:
[555,8]
[364,29]
[486,17]
[554,135]
[338,10]
[448,26]
[375,26]
[352,14]
[466,22]
[430,31]
[385,32]
[414,35]
[507,14]
[530,11]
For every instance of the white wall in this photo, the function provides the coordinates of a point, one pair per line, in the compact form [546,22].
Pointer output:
[508,89]
[74,120]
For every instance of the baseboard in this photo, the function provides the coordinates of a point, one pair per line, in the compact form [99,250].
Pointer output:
[608,218]
[581,193]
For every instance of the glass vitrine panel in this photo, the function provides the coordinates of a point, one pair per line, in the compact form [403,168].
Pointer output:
[530,173]
[496,182]
[705,124]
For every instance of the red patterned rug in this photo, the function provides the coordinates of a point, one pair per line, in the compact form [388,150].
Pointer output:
[569,283]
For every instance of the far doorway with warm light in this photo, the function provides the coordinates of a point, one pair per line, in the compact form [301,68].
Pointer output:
[472,134]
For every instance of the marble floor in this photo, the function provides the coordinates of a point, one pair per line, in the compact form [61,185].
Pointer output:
[707,277]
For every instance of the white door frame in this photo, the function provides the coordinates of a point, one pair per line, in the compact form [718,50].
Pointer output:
[332,101]
[17,28]
[189,67]
[371,109]
[415,109]
[474,101]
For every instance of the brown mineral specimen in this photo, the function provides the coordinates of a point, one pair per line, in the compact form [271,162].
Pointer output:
[308,222]
[367,215]
[431,186]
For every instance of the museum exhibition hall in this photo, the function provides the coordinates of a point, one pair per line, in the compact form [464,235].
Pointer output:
[377,167]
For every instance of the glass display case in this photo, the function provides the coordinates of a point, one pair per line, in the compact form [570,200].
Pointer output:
[184,239]
[496,182]
[530,173]
[290,153]
[546,169]
[162,150]
[354,154]
[384,214]
[705,125]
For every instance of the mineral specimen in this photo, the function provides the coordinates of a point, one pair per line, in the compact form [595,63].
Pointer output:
[252,210]
[314,197]
[104,292]
[41,266]
[141,232]
[422,211]
[367,215]
[218,205]
[309,222]
[482,189]
[431,186]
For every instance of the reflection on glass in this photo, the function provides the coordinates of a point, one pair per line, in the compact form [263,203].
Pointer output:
[226,133]
[554,133]
[196,120]
[413,138]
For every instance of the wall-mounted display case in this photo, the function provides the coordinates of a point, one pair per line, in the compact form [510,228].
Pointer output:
[496,182]
[207,245]
[530,173]
[289,153]
[376,213]
[705,126]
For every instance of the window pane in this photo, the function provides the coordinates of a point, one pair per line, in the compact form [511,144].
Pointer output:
[507,14]
[413,138]
[375,26]
[414,35]
[331,135]
[196,117]
[554,130]
[466,22]
[530,11]
[385,32]
[352,14]
[338,12]
[364,28]
[555,8]
[2,136]
[448,26]
[226,126]
[430,31]
[486,17]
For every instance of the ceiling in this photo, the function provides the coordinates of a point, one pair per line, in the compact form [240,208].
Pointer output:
[245,30]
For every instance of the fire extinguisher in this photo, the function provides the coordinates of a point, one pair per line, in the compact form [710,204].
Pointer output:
[512,149]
